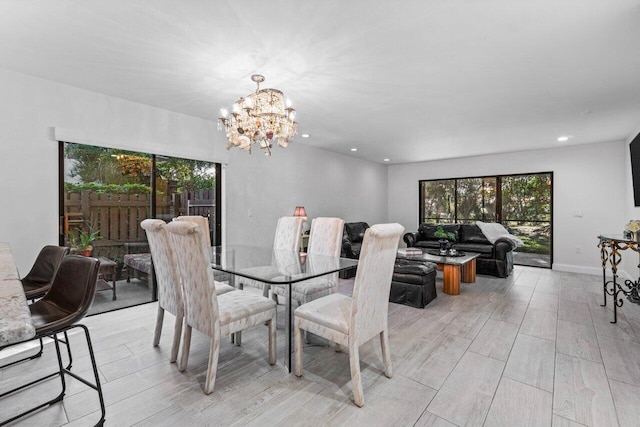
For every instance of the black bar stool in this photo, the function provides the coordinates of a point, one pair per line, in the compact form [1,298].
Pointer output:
[66,303]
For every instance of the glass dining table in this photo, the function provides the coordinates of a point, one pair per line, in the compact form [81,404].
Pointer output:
[276,267]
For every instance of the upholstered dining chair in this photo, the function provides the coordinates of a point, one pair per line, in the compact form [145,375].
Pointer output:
[203,222]
[214,315]
[38,281]
[287,238]
[352,321]
[168,282]
[325,238]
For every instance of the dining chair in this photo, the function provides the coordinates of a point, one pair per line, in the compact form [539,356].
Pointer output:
[38,281]
[167,280]
[68,300]
[325,238]
[214,315]
[287,238]
[352,321]
[203,223]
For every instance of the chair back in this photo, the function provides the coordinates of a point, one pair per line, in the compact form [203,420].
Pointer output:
[46,264]
[203,222]
[200,301]
[325,237]
[165,266]
[370,303]
[72,290]
[288,233]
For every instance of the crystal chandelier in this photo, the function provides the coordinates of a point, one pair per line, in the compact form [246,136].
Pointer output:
[262,117]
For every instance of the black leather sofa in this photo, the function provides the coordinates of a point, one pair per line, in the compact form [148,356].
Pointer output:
[496,259]
[352,243]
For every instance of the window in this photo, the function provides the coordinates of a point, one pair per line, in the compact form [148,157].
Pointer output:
[105,193]
[523,203]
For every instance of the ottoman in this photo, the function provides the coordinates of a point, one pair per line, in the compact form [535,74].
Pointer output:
[413,282]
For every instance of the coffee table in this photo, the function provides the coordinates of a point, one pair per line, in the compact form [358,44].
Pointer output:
[455,269]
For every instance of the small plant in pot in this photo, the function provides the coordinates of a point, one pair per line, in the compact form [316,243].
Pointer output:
[81,242]
[444,237]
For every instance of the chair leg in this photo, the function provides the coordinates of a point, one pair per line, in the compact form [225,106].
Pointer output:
[297,336]
[158,331]
[35,356]
[177,333]
[386,353]
[186,344]
[96,376]
[212,369]
[356,380]
[272,340]
[238,338]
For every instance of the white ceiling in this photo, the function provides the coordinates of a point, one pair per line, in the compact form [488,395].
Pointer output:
[405,80]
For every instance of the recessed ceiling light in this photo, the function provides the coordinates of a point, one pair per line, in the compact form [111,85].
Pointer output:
[564,138]
[305,135]
[386,160]
[354,149]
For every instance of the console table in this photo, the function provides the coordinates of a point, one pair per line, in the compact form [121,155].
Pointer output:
[610,247]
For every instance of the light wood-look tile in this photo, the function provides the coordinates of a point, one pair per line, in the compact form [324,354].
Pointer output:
[578,340]
[539,323]
[621,359]
[544,301]
[467,324]
[559,421]
[576,312]
[627,402]
[581,392]
[433,359]
[431,420]
[495,339]
[532,362]
[510,311]
[519,404]
[428,346]
[465,398]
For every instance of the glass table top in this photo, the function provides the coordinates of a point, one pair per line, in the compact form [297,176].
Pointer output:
[275,266]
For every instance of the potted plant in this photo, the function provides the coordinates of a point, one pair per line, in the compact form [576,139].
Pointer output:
[81,242]
[444,237]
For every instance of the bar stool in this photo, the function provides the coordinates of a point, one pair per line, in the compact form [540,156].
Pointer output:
[66,303]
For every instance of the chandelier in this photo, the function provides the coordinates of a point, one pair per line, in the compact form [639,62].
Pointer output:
[263,117]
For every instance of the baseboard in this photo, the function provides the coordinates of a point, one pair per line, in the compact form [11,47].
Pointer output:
[578,269]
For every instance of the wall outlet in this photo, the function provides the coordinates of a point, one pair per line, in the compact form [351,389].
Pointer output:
[578,250]
[577,214]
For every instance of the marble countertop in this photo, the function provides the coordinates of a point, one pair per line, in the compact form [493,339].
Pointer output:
[15,317]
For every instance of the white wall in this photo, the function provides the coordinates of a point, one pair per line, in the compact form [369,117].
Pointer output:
[259,190]
[30,109]
[33,112]
[587,178]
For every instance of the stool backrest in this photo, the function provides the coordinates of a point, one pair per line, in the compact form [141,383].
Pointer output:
[73,288]
[46,264]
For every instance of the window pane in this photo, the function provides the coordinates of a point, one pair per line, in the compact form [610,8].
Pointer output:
[526,197]
[438,201]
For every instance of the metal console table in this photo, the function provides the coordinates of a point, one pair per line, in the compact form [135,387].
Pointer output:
[610,247]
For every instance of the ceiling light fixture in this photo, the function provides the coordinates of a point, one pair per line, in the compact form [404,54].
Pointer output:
[262,117]
[305,135]
[564,138]
[386,160]
[354,149]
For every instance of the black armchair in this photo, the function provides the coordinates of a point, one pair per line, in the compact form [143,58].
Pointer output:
[352,243]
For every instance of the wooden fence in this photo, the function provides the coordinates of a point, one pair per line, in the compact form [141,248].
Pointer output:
[118,216]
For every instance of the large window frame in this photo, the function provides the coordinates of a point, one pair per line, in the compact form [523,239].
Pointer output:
[498,216]
[153,211]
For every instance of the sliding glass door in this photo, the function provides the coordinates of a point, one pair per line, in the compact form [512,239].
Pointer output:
[104,195]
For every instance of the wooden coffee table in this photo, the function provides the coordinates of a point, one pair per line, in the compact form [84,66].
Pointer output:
[107,268]
[455,269]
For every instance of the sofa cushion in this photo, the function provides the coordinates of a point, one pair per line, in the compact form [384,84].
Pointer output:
[427,230]
[471,233]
